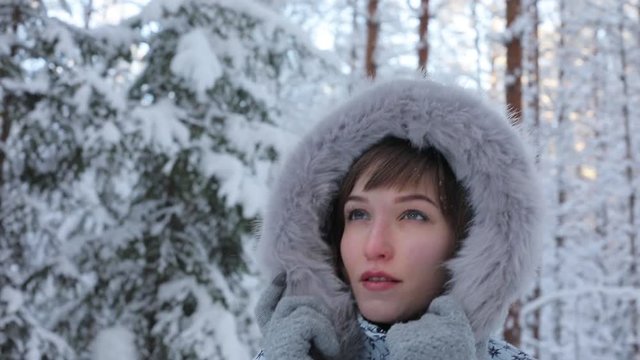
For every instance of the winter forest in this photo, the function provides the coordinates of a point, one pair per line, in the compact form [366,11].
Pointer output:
[139,139]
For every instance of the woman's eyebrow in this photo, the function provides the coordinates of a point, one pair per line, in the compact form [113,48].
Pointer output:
[412,197]
[356,198]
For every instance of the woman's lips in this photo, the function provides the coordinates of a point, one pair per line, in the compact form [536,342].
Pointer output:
[378,281]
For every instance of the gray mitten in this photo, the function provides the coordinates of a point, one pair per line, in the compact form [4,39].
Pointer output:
[293,324]
[442,333]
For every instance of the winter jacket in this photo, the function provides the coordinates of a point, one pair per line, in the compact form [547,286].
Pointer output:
[497,259]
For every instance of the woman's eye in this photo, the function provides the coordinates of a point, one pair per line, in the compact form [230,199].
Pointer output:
[357,214]
[414,215]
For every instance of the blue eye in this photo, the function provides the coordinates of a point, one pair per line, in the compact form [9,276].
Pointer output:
[357,214]
[414,215]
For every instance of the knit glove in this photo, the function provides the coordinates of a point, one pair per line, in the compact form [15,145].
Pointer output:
[293,324]
[442,333]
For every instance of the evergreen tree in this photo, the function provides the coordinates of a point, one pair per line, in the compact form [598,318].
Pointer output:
[180,160]
[127,199]
[45,121]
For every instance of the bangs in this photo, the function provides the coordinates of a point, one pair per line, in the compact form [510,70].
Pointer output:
[399,170]
[394,163]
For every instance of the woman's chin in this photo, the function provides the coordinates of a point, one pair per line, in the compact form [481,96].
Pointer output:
[380,315]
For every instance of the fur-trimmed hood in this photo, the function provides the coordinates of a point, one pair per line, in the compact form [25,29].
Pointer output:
[499,257]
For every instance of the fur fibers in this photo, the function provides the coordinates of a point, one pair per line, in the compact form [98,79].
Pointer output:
[499,257]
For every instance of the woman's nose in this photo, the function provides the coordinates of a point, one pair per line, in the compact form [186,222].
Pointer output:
[378,245]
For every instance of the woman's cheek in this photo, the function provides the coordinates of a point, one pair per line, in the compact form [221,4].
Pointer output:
[346,252]
[421,253]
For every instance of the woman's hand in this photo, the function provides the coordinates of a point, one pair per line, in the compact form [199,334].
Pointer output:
[293,324]
[442,333]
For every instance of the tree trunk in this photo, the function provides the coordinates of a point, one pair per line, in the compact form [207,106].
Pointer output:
[558,309]
[513,81]
[476,42]
[630,160]
[532,70]
[423,29]
[355,30]
[355,44]
[513,92]
[373,27]
[513,330]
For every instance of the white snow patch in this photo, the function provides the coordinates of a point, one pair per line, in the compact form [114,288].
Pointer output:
[112,92]
[110,132]
[81,98]
[65,45]
[224,166]
[115,343]
[238,184]
[13,299]
[196,62]
[210,318]
[156,9]
[5,44]
[160,125]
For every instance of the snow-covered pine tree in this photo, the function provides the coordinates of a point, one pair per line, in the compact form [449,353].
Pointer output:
[49,108]
[185,181]
[21,333]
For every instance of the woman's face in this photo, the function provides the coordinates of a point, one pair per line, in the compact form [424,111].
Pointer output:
[393,245]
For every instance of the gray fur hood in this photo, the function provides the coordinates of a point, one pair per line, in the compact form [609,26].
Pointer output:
[498,259]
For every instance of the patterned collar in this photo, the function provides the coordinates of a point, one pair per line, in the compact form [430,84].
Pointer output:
[370,329]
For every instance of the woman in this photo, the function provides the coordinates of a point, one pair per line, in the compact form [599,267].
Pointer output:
[403,227]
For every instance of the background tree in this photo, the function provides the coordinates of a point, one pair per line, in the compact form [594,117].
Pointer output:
[373,28]
[513,90]
[423,45]
[142,187]
[47,118]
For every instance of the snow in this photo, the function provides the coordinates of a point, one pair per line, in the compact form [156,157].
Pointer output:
[160,126]
[65,45]
[196,62]
[232,347]
[224,166]
[110,132]
[209,317]
[238,186]
[81,98]
[157,8]
[5,41]
[115,35]
[114,93]
[12,298]
[115,343]
[36,84]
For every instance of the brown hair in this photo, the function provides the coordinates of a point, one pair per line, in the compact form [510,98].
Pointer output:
[395,163]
